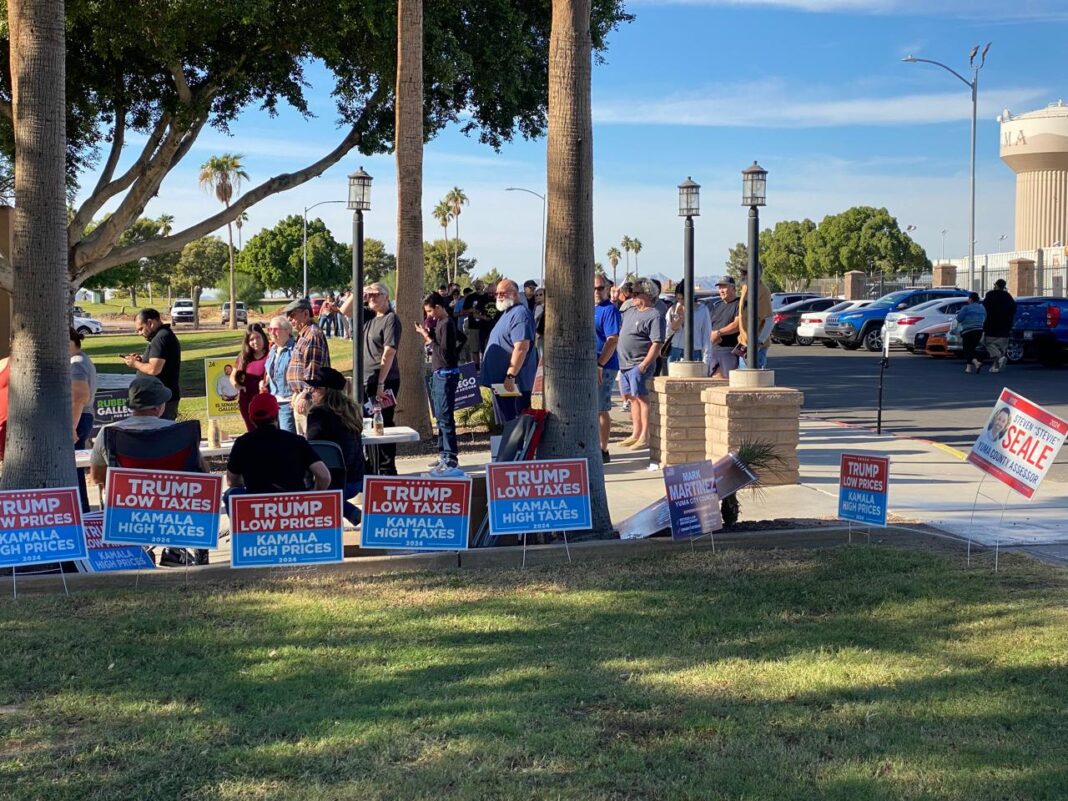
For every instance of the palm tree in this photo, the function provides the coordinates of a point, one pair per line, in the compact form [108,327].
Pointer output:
[443,214]
[456,200]
[613,259]
[222,175]
[239,223]
[408,145]
[636,246]
[38,445]
[570,365]
[626,245]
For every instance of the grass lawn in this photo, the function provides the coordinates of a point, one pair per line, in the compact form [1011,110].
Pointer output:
[850,674]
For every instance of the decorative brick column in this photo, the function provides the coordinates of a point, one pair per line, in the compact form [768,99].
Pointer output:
[944,275]
[736,415]
[677,419]
[856,285]
[1021,279]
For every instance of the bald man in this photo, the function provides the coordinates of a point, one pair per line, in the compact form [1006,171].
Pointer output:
[509,358]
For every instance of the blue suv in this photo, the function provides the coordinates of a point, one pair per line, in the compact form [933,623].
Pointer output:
[856,327]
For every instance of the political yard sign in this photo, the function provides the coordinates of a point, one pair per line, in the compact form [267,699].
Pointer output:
[38,526]
[543,495]
[863,486]
[296,528]
[416,514]
[104,558]
[1018,443]
[162,507]
[221,393]
[692,499]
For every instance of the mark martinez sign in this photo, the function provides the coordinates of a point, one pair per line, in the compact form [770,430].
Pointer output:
[162,507]
[416,514]
[296,528]
[863,487]
[693,502]
[545,495]
[39,526]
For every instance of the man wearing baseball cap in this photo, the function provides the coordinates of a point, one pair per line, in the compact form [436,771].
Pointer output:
[720,356]
[146,399]
[310,354]
[268,459]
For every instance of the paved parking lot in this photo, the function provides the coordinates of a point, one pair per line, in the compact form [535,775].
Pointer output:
[922,397]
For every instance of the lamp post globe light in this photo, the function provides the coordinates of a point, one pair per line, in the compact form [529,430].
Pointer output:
[754,195]
[359,201]
[689,207]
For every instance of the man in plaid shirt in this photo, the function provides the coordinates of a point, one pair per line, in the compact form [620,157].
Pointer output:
[310,355]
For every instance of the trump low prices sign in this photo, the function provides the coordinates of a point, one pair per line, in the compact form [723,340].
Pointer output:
[297,528]
[863,486]
[1018,443]
[544,495]
[104,558]
[38,526]
[416,514]
[692,499]
[162,507]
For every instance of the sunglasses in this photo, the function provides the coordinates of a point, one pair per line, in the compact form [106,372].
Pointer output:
[600,288]
[367,295]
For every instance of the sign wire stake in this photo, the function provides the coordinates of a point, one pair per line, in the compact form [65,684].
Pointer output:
[850,529]
[14,585]
[567,549]
[63,576]
[524,550]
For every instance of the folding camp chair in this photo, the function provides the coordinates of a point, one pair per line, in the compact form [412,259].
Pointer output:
[331,455]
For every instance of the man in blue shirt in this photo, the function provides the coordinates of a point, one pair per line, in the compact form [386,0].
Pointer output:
[509,358]
[606,319]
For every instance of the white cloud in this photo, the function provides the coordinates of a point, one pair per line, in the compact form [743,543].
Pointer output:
[773,104]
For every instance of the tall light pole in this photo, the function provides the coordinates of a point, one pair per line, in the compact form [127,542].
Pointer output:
[972,85]
[943,260]
[689,207]
[754,195]
[305,247]
[908,230]
[543,202]
[359,201]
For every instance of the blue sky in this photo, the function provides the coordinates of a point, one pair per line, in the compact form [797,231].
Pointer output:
[814,90]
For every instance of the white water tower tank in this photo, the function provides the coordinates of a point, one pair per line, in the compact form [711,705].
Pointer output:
[1035,146]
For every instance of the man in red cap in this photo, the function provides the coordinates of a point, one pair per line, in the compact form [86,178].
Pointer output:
[268,459]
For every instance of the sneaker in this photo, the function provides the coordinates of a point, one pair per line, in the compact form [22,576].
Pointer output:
[606,457]
[1004,360]
[435,463]
[446,470]
[626,406]
[995,368]
[969,369]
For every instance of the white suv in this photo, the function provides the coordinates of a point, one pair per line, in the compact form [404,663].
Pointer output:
[182,311]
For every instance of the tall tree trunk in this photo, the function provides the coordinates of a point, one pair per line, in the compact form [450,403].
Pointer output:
[456,251]
[445,228]
[412,407]
[570,360]
[40,443]
[233,279]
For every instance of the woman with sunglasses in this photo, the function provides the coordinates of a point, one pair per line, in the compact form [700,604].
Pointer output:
[274,378]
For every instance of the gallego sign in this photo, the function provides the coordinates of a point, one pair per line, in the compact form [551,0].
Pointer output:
[863,488]
[543,495]
[40,526]
[162,507]
[416,514]
[295,528]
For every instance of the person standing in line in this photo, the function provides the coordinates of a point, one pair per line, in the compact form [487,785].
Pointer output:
[625,296]
[640,339]
[606,322]
[765,318]
[274,371]
[702,327]
[530,290]
[381,373]
[162,358]
[488,313]
[539,322]
[1000,308]
[249,370]
[310,355]
[971,318]
[444,362]
[510,358]
[83,402]
[721,356]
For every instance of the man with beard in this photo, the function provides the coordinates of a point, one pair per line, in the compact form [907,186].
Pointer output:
[509,357]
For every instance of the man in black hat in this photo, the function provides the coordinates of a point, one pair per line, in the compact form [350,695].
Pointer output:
[310,355]
[147,400]
[1000,312]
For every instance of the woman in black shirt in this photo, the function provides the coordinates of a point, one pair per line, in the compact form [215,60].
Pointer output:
[335,417]
[444,358]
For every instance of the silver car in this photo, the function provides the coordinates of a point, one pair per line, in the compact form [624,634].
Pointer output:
[903,326]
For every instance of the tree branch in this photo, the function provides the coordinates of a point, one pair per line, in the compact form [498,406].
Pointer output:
[117,139]
[185,95]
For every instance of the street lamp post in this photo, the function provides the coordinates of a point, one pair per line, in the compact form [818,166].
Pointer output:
[359,201]
[973,86]
[943,259]
[689,207]
[304,249]
[754,195]
[543,203]
[908,230]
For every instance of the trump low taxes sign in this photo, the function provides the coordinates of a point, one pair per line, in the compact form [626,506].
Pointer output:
[1018,443]
[416,514]
[38,526]
[162,507]
[544,495]
[296,528]
[863,487]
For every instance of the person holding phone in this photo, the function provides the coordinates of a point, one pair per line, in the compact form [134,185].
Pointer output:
[444,361]
[162,358]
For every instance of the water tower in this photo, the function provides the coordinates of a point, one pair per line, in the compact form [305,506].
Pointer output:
[1035,146]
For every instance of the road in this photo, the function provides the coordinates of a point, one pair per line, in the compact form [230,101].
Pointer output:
[922,397]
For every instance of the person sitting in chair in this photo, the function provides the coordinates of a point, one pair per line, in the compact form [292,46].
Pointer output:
[147,399]
[335,417]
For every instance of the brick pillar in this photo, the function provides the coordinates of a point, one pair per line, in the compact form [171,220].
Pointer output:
[944,275]
[734,416]
[7,233]
[677,419]
[1021,277]
[856,285]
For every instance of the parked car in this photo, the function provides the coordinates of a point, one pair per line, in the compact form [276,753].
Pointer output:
[85,325]
[780,299]
[935,340]
[182,311]
[810,326]
[955,346]
[787,318]
[857,327]
[1041,327]
[903,326]
[242,312]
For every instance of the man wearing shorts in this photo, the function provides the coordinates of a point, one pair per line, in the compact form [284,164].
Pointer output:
[640,338]
[607,322]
